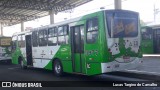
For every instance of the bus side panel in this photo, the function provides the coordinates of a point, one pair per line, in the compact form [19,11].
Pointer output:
[147,40]
[147,46]
[64,54]
[94,52]
[93,68]
[67,66]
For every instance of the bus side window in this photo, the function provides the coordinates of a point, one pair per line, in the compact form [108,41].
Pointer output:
[14,41]
[23,41]
[52,36]
[19,40]
[63,35]
[43,37]
[66,31]
[92,30]
[35,38]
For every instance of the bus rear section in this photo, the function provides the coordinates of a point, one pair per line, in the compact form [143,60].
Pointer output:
[5,49]
[123,41]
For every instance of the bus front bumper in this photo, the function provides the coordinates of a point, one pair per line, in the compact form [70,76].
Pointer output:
[117,66]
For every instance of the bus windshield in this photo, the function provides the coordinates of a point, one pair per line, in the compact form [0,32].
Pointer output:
[122,24]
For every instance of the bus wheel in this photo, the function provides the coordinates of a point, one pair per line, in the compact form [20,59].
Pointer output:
[22,65]
[57,67]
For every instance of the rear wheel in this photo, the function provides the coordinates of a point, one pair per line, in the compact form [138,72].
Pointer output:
[57,67]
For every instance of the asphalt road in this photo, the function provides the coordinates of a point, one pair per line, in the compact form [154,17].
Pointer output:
[9,72]
[150,65]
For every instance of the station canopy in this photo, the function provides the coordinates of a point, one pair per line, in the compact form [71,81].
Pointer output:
[15,11]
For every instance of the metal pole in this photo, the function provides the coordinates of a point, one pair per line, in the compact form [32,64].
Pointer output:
[154,12]
[117,4]
[51,17]
[1,29]
[22,26]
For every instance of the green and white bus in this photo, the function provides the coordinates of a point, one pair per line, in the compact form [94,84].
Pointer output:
[96,43]
[5,48]
[148,40]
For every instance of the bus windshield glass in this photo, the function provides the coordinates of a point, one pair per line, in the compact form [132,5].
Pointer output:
[122,24]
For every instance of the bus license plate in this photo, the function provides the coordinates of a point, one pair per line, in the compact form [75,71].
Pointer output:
[126,58]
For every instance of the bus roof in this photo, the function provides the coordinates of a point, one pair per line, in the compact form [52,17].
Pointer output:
[66,22]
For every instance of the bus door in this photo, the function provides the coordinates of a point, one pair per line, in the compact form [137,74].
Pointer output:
[29,50]
[77,47]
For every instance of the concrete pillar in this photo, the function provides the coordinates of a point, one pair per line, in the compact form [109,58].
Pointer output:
[51,16]
[22,26]
[117,4]
[1,27]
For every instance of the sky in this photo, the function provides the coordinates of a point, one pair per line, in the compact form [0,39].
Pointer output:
[144,7]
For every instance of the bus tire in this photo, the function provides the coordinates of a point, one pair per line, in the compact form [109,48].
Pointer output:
[22,64]
[57,68]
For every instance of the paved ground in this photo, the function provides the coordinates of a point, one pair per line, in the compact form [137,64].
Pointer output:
[150,65]
[9,72]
